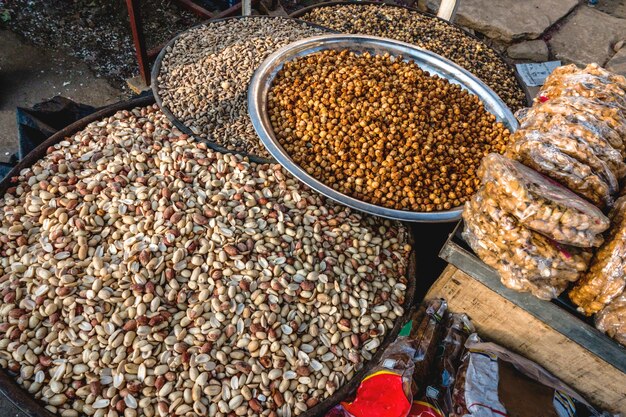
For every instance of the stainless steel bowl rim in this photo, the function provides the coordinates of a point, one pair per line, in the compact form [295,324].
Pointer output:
[264,75]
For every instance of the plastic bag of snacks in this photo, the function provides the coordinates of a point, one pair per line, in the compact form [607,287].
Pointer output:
[495,382]
[593,138]
[542,204]
[606,112]
[591,82]
[525,260]
[567,161]
[612,319]
[606,277]
[438,393]
[558,114]
[426,333]
[386,390]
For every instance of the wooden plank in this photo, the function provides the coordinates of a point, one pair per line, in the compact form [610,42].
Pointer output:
[553,315]
[506,323]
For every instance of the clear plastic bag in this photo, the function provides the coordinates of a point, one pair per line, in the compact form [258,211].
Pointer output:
[426,333]
[606,278]
[591,83]
[542,204]
[525,260]
[552,114]
[593,138]
[612,319]
[438,394]
[567,161]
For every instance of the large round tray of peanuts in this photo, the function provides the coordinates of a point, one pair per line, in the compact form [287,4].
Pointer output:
[379,125]
[144,274]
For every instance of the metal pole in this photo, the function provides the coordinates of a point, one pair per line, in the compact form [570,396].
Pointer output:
[136,26]
[246,7]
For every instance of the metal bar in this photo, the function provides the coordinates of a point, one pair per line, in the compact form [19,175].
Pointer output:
[447,9]
[246,8]
[229,12]
[136,26]
[153,52]
[195,9]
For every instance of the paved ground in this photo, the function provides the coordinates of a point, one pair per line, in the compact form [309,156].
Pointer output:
[29,75]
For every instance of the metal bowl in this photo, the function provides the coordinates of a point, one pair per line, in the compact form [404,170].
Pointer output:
[299,14]
[429,61]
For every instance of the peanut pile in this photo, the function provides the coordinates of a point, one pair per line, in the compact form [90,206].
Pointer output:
[205,75]
[142,274]
[383,130]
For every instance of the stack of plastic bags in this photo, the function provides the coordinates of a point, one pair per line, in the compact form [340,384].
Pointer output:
[540,213]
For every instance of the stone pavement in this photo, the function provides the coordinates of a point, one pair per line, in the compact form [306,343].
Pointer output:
[538,30]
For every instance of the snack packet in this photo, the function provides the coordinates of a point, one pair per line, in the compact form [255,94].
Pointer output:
[542,204]
[524,259]
[567,161]
[606,278]
[612,319]
[438,393]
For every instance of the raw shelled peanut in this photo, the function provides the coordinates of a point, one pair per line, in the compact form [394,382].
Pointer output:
[427,32]
[383,130]
[144,275]
[205,74]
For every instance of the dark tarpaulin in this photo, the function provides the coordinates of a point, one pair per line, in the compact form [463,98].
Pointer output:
[36,124]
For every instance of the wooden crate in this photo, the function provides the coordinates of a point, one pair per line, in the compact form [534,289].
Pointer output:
[564,352]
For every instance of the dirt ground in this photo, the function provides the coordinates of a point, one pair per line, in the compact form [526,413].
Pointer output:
[94,31]
[29,75]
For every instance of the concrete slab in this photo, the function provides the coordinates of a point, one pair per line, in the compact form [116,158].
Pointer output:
[29,75]
[510,20]
[588,36]
[615,8]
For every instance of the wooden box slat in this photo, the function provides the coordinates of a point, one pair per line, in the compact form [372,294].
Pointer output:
[505,322]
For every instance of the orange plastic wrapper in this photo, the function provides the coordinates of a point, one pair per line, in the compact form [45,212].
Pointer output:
[386,390]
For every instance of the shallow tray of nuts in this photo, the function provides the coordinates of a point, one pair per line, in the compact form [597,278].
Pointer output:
[380,145]
[143,274]
[200,78]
